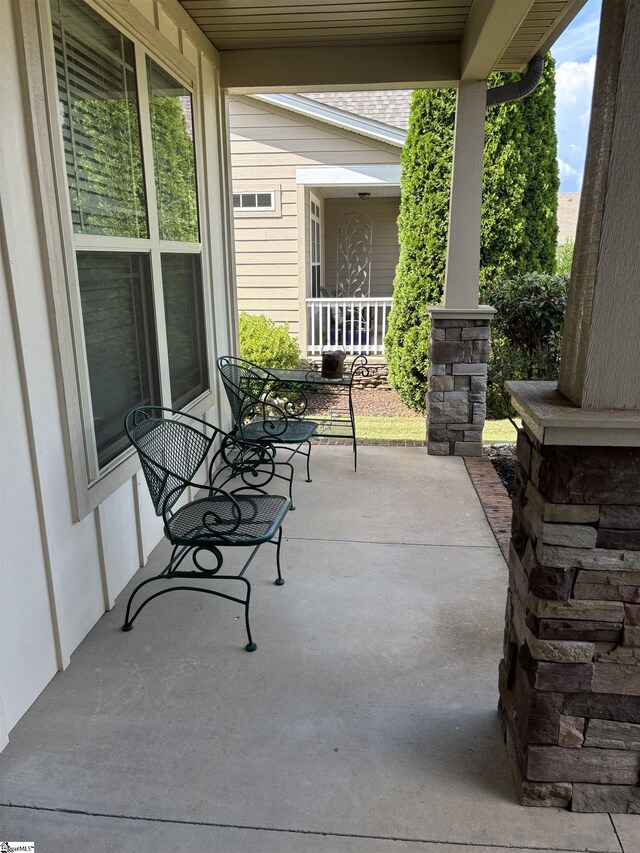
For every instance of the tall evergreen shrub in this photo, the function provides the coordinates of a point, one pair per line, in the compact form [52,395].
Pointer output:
[519,212]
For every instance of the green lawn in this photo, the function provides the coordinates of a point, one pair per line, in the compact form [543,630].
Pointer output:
[496,432]
[406,429]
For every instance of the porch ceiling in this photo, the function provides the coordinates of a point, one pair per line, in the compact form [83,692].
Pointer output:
[461,38]
[303,23]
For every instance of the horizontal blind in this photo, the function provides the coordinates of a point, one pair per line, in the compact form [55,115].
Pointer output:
[100,123]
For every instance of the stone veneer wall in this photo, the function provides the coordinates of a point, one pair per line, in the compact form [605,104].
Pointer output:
[377,376]
[457,395]
[570,677]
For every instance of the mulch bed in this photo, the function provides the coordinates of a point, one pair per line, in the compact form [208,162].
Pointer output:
[506,470]
[374,402]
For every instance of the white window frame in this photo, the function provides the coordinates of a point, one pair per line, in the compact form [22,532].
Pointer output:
[91,484]
[256,206]
[317,220]
[244,186]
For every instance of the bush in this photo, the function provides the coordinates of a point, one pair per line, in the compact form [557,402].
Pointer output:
[422,234]
[526,333]
[266,344]
[564,257]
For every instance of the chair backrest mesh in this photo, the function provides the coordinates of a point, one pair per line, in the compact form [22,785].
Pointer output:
[171,453]
[245,384]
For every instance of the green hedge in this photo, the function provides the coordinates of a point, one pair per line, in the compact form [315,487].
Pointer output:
[526,333]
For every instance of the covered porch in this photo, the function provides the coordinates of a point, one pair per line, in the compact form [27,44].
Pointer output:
[364,722]
[368,714]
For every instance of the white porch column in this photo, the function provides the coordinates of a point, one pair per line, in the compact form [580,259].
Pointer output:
[461,279]
[459,346]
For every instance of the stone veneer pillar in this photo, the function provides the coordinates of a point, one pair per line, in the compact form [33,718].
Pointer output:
[457,397]
[570,676]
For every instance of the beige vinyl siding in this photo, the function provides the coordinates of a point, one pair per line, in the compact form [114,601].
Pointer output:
[267,145]
[59,574]
[384,245]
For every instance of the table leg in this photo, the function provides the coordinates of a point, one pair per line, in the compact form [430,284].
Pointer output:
[353,430]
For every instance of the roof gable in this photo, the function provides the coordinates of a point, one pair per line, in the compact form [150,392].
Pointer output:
[328,114]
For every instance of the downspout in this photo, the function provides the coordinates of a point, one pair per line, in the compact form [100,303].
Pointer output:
[521,88]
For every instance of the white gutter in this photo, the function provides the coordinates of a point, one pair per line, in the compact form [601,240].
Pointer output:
[349,175]
[338,118]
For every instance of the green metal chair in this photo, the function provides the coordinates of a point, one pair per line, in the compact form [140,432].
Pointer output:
[234,511]
[267,411]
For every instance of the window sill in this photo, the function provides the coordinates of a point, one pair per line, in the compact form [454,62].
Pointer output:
[261,212]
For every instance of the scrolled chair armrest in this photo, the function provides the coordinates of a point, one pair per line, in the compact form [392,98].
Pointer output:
[251,461]
[210,520]
[272,417]
[283,391]
[359,365]
[314,367]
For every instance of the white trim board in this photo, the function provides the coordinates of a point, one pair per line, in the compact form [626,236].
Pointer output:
[353,175]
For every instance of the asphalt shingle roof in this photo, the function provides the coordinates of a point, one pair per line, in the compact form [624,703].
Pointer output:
[390,107]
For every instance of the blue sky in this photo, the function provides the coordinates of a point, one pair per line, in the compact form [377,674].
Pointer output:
[575,55]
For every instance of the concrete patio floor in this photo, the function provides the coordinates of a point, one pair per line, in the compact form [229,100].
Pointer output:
[364,722]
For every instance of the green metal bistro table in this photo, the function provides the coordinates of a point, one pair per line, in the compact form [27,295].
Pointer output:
[340,422]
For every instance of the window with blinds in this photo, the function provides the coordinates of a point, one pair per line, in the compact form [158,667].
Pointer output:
[138,252]
[184,312]
[117,314]
[100,124]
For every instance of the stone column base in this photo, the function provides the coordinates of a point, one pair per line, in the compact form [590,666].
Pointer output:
[457,397]
[570,677]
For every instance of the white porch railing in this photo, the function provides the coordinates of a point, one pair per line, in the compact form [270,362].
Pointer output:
[358,324]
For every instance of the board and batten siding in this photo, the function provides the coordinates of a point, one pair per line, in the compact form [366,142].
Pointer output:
[384,245]
[267,145]
[58,574]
